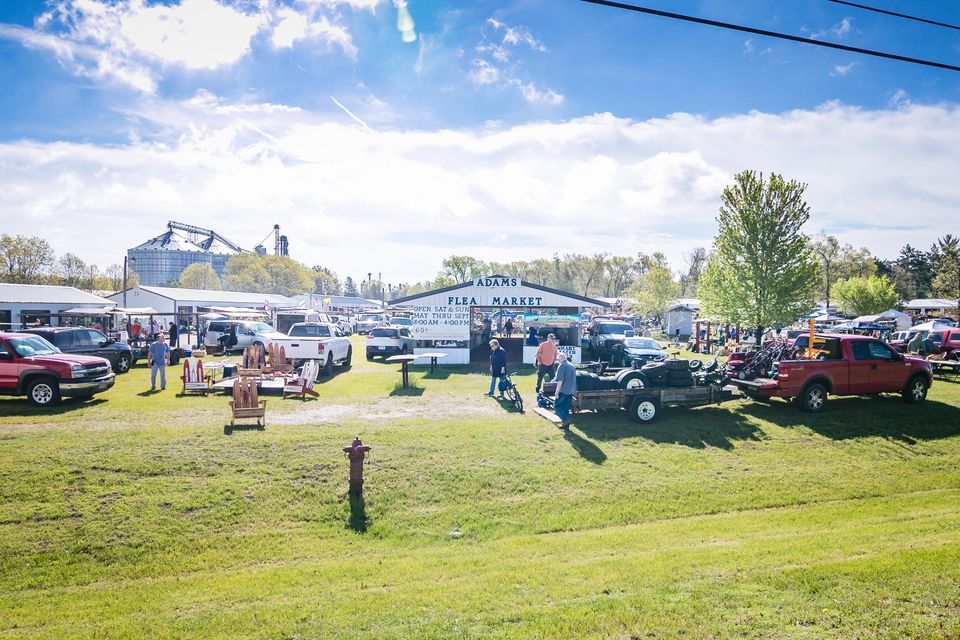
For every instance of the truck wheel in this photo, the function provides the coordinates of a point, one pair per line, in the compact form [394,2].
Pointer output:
[328,368]
[813,398]
[644,410]
[349,359]
[915,391]
[123,364]
[632,379]
[43,392]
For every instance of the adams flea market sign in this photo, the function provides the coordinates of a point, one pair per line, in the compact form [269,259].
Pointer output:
[495,292]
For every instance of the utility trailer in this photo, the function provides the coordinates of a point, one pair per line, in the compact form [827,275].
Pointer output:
[643,404]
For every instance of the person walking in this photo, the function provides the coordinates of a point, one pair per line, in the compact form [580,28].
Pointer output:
[158,357]
[498,365]
[545,359]
[508,327]
[174,335]
[566,380]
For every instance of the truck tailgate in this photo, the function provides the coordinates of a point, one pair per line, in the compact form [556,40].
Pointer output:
[755,386]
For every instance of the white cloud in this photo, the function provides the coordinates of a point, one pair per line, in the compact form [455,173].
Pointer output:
[484,73]
[497,68]
[534,95]
[842,69]
[136,42]
[836,32]
[877,178]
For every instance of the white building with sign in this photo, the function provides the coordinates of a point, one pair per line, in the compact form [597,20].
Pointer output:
[451,320]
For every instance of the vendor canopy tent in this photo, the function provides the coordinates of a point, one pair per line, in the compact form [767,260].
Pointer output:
[933,325]
[903,320]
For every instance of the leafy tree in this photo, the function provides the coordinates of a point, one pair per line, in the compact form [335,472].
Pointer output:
[690,282]
[583,273]
[287,276]
[325,281]
[947,281]
[200,275]
[622,272]
[463,268]
[350,288]
[919,264]
[654,291]
[836,262]
[540,271]
[72,270]
[246,272]
[25,260]
[762,270]
[865,296]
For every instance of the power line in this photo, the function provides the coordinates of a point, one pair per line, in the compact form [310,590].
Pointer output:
[894,13]
[772,34]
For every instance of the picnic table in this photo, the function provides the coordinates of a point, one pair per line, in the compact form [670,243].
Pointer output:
[404,367]
[941,367]
[434,356]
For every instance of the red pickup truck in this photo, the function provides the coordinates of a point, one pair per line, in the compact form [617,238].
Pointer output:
[946,341]
[846,365]
[31,366]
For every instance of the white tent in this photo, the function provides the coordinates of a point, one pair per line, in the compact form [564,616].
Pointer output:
[933,325]
[903,320]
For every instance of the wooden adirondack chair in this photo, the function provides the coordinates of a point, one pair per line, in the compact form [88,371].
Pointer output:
[303,385]
[245,403]
[278,360]
[194,379]
[252,363]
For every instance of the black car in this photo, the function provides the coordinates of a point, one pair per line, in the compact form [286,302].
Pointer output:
[646,350]
[88,342]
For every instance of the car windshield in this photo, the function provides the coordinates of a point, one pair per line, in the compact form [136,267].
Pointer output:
[615,327]
[34,346]
[404,321]
[642,343]
[384,333]
[261,327]
[369,318]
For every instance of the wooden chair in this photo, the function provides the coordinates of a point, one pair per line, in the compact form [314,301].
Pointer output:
[303,386]
[252,363]
[277,362]
[194,379]
[245,403]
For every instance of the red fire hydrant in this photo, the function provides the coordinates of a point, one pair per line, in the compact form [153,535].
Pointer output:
[356,453]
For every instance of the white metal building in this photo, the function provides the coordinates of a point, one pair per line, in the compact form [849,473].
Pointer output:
[169,300]
[680,321]
[24,304]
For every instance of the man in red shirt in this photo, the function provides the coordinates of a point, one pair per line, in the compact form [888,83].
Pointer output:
[545,360]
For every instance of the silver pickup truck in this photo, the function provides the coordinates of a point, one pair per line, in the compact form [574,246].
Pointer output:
[319,341]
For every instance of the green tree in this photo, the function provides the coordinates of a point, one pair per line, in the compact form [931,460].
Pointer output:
[25,260]
[463,268]
[325,281]
[947,281]
[762,270]
[200,275]
[690,281]
[654,292]
[72,270]
[246,272]
[865,296]
[287,276]
[919,264]
[350,288]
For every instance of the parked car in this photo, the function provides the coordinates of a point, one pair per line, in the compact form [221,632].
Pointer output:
[604,334]
[389,341]
[900,339]
[848,365]
[317,341]
[32,366]
[88,342]
[344,323]
[400,321]
[248,332]
[631,349]
[369,321]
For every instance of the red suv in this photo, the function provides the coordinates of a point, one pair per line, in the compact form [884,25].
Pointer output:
[31,366]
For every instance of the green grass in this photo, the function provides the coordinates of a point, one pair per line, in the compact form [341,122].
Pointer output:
[135,516]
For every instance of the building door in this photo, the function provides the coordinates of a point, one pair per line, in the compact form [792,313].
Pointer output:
[5,320]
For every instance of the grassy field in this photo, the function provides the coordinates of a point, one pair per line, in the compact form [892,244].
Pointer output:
[135,516]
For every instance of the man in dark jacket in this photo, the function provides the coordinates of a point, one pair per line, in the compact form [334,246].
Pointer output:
[498,365]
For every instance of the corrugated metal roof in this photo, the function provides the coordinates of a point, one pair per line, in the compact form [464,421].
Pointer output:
[928,303]
[49,294]
[169,240]
[224,297]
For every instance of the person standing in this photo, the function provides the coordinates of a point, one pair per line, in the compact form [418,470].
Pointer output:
[545,359]
[498,365]
[508,327]
[916,343]
[174,335]
[566,380]
[158,357]
[929,346]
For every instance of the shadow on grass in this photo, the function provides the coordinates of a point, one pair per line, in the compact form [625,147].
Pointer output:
[23,407]
[412,390]
[870,416]
[437,374]
[358,513]
[228,430]
[587,450]
[706,427]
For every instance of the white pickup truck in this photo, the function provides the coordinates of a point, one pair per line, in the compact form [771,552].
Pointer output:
[317,341]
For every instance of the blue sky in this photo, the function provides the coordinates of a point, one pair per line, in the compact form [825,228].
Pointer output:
[510,114]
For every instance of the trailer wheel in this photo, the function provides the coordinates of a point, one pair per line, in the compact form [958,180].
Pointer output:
[644,410]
